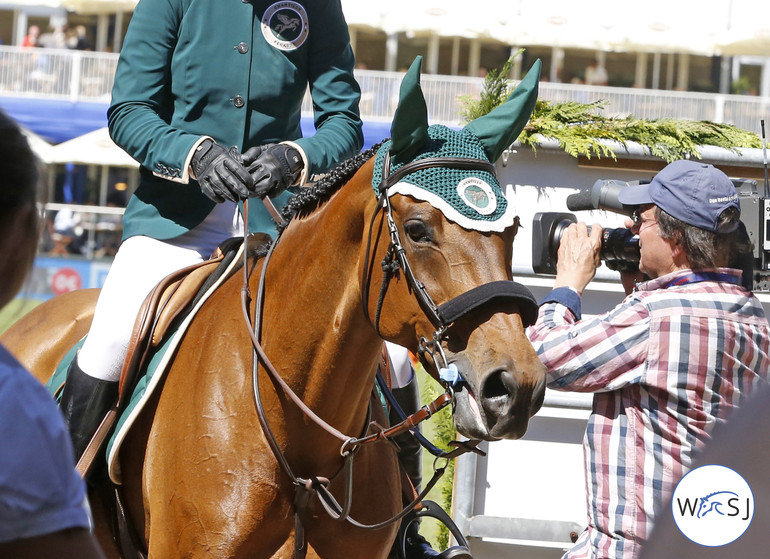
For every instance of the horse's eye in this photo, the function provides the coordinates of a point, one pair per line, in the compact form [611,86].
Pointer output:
[418,231]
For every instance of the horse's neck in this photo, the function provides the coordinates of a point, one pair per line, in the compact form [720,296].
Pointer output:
[313,312]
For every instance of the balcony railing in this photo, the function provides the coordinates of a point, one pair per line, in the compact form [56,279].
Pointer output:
[56,74]
[88,76]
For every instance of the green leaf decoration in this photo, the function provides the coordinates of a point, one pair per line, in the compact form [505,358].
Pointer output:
[581,130]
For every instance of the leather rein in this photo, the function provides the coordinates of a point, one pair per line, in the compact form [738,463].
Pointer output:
[305,487]
[440,317]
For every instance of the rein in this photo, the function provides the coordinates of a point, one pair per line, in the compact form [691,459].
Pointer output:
[316,484]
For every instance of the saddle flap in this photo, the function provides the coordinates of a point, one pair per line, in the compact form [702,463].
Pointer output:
[172,298]
[177,296]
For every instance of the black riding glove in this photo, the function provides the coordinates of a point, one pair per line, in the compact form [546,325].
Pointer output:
[273,168]
[220,172]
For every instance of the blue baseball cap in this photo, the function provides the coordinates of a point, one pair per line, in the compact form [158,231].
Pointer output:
[695,193]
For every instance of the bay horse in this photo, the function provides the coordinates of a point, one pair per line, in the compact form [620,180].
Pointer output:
[198,474]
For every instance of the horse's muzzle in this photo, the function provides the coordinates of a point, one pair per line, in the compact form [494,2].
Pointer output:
[501,408]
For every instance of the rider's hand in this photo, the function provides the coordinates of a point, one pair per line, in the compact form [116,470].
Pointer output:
[220,173]
[273,167]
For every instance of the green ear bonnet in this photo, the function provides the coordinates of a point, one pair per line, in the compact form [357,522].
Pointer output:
[472,198]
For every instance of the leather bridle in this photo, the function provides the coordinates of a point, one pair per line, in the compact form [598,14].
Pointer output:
[440,316]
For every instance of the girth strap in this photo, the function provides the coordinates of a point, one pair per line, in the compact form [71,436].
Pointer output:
[496,291]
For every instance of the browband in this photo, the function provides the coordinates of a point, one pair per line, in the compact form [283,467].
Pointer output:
[389,179]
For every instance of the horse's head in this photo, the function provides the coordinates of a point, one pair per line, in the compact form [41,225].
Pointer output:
[446,289]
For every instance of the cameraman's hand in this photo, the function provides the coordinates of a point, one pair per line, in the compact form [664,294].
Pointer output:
[629,280]
[578,256]
[273,167]
[220,173]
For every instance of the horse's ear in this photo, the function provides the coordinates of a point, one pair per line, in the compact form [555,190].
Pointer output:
[500,128]
[409,131]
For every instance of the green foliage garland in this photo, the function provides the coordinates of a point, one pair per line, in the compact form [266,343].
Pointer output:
[580,129]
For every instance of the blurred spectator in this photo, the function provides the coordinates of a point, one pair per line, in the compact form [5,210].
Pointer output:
[66,233]
[32,36]
[44,512]
[596,74]
[54,38]
[79,39]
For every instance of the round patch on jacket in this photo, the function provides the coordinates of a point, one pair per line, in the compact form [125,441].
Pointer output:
[285,25]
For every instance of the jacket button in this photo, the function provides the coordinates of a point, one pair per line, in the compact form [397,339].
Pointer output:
[238,101]
[242,47]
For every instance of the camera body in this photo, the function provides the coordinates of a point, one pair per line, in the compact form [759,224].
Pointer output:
[619,252]
[755,216]
[620,248]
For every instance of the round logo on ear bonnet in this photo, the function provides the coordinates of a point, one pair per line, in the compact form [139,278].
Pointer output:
[472,198]
[478,195]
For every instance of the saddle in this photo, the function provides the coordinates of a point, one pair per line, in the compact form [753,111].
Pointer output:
[164,308]
[170,301]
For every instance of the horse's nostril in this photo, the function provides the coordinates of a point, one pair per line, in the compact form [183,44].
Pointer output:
[494,386]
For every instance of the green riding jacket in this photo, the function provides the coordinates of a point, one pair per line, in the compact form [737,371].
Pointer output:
[235,71]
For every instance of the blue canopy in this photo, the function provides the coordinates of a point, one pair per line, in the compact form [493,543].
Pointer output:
[57,120]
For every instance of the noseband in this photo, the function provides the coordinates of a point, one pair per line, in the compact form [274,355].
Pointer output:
[440,316]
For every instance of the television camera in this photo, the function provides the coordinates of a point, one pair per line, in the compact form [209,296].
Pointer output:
[620,248]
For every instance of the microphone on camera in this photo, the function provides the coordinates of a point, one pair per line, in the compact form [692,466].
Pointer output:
[580,201]
[602,196]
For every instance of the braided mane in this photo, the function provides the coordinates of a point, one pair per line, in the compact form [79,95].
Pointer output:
[309,199]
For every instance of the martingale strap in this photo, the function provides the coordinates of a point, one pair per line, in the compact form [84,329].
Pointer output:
[493,292]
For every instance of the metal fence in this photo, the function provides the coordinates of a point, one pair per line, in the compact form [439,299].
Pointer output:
[78,75]
[56,74]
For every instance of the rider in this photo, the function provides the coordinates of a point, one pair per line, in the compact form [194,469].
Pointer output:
[196,85]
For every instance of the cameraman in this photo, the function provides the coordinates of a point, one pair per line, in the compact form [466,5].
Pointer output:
[665,365]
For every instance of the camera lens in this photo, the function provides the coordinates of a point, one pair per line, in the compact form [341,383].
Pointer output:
[620,249]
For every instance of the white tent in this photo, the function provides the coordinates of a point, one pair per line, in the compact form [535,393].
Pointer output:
[97,149]
[662,26]
[448,18]
[703,27]
[42,149]
[93,148]
[99,6]
[747,29]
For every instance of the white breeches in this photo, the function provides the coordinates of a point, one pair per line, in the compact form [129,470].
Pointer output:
[400,365]
[139,265]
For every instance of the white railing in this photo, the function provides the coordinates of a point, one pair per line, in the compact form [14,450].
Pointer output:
[88,231]
[78,75]
[56,74]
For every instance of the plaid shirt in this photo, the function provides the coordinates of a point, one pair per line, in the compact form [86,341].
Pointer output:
[665,366]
